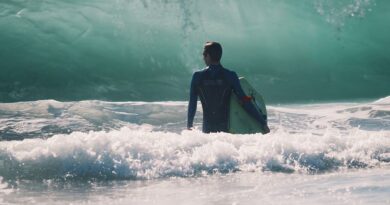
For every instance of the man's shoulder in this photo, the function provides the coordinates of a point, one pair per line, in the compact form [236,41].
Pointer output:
[199,72]
[229,72]
[225,70]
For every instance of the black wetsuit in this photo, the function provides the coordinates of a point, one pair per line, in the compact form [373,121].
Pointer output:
[214,86]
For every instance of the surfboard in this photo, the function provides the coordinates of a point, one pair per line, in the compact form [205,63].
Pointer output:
[240,122]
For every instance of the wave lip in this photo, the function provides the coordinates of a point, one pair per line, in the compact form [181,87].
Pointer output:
[385,100]
[135,154]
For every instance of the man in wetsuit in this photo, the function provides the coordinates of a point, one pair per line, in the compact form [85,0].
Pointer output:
[214,86]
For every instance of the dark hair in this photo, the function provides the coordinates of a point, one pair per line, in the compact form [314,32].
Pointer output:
[214,49]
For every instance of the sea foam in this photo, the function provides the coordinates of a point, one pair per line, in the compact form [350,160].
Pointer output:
[138,153]
[140,140]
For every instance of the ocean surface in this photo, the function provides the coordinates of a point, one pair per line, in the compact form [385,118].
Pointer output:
[93,102]
[147,50]
[96,152]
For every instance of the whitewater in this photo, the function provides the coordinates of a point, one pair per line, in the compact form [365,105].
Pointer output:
[139,152]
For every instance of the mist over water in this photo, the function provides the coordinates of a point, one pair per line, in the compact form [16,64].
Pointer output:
[131,50]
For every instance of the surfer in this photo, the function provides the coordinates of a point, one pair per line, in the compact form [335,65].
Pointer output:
[214,86]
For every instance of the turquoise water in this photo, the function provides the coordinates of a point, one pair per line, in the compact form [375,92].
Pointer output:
[93,101]
[144,50]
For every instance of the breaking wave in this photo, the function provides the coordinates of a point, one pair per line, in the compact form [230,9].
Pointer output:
[312,138]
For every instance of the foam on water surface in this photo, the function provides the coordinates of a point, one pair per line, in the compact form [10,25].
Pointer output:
[305,139]
[96,152]
[139,154]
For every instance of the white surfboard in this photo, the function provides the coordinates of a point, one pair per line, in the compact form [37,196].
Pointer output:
[240,122]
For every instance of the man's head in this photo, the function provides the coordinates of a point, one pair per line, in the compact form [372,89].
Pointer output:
[212,53]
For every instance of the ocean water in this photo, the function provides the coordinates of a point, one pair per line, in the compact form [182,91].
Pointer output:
[147,50]
[93,102]
[96,152]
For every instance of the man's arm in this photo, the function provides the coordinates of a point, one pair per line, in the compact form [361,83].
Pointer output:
[192,104]
[246,102]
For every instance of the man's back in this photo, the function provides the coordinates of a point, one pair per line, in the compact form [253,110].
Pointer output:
[213,86]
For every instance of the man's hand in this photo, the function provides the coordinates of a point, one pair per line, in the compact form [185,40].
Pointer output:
[266,129]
